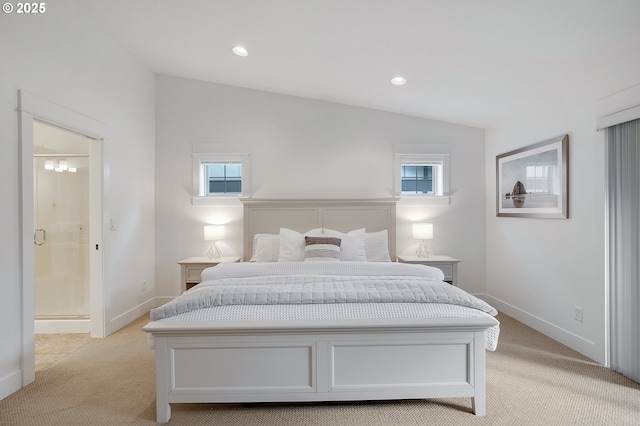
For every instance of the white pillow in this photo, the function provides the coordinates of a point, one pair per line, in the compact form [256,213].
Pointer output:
[292,244]
[352,244]
[266,248]
[376,245]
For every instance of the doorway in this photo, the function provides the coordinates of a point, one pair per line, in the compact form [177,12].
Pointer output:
[33,109]
[61,229]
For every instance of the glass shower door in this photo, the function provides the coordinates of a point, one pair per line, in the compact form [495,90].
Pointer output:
[61,237]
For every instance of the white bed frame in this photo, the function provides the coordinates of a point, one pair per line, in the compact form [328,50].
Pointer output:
[319,360]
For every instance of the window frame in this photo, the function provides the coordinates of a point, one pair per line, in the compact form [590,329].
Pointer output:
[204,177]
[435,179]
[204,154]
[424,154]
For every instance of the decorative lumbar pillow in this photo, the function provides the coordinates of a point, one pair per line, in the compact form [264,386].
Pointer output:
[292,244]
[321,249]
[352,247]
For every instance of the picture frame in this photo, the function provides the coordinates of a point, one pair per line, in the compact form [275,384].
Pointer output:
[534,181]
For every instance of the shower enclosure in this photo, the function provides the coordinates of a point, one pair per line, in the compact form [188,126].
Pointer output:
[61,239]
[61,235]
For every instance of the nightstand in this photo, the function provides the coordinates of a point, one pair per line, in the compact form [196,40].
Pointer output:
[192,267]
[447,264]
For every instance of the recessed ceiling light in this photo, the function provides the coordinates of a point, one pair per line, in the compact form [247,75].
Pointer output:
[240,51]
[398,81]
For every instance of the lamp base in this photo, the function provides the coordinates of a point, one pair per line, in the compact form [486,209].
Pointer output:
[422,250]
[213,252]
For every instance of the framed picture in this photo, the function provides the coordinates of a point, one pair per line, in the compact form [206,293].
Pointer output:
[534,181]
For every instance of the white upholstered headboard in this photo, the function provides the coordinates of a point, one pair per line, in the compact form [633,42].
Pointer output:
[269,215]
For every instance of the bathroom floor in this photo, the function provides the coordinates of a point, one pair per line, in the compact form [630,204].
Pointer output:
[50,348]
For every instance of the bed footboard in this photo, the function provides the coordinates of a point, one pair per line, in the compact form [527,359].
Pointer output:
[319,361]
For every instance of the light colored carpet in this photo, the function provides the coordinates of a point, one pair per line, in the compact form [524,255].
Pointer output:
[51,348]
[531,380]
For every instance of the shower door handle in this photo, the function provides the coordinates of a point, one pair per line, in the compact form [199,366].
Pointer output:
[35,236]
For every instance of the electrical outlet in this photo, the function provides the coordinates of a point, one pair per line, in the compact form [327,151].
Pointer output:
[143,286]
[577,313]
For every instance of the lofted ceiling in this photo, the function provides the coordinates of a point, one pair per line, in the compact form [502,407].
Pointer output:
[471,62]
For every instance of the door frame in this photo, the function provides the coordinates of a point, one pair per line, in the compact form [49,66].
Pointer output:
[32,107]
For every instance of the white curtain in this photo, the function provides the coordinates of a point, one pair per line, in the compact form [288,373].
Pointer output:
[623,205]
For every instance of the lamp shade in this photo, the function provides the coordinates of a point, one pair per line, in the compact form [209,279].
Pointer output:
[423,231]
[213,232]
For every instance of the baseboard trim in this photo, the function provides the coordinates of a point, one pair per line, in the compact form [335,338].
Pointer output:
[131,315]
[567,338]
[10,384]
[55,326]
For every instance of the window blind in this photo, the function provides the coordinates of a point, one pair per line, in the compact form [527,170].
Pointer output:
[623,212]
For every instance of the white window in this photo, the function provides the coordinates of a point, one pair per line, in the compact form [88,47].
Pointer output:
[217,173]
[421,177]
[421,171]
[220,175]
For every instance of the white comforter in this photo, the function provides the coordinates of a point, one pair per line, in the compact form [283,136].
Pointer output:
[236,275]
[319,283]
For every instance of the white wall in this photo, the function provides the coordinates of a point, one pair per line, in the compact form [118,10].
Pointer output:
[538,270]
[63,57]
[302,148]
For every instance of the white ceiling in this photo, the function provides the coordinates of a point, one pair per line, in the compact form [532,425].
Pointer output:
[466,61]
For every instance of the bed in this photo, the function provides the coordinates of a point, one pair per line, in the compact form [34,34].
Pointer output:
[262,331]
